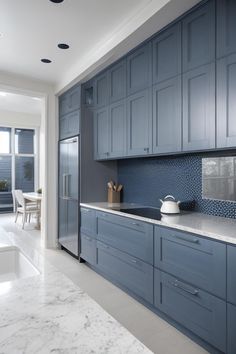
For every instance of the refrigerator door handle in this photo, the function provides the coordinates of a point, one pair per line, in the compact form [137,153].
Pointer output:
[68,186]
[64,186]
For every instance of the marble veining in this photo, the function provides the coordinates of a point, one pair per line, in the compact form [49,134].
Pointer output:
[217,228]
[48,313]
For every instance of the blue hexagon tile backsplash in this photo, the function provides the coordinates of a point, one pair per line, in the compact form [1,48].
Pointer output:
[145,180]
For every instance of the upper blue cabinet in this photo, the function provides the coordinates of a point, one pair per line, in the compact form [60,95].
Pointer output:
[117,81]
[199,36]
[101,91]
[166,54]
[70,101]
[226,103]
[139,69]
[226,27]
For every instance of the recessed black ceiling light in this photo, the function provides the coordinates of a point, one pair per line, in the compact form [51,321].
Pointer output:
[63,46]
[46,61]
[57,1]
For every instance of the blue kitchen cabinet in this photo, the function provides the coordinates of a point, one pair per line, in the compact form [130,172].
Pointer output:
[226,27]
[117,129]
[195,309]
[88,249]
[69,125]
[128,235]
[117,81]
[125,270]
[101,133]
[139,120]
[226,103]
[231,325]
[231,274]
[167,116]
[166,54]
[199,36]
[101,90]
[88,221]
[199,108]
[194,259]
[70,100]
[139,69]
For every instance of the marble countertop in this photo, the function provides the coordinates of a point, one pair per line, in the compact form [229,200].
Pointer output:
[48,313]
[214,227]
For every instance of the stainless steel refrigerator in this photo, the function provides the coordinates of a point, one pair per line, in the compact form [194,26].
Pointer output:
[68,215]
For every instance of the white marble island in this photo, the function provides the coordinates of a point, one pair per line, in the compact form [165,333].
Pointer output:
[48,313]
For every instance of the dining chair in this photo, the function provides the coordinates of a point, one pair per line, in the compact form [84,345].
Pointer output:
[24,207]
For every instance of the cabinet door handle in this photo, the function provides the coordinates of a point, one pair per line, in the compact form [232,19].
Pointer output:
[133,261]
[191,240]
[88,238]
[187,290]
[135,224]
[146,149]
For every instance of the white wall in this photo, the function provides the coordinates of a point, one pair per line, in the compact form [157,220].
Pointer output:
[19,119]
[48,134]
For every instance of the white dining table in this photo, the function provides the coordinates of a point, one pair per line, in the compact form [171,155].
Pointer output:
[35,197]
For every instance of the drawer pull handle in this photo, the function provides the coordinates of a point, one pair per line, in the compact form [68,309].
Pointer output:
[135,224]
[88,238]
[187,290]
[133,261]
[86,210]
[191,240]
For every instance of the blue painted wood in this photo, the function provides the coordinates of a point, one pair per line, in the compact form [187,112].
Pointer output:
[226,27]
[231,325]
[226,103]
[117,81]
[130,272]
[199,261]
[167,116]
[231,274]
[128,235]
[101,91]
[117,129]
[139,122]
[199,108]
[199,36]
[88,221]
[88,249]
[70,101]
[200,312]
[69,125]
[166,54]
[101,134]
[139,69]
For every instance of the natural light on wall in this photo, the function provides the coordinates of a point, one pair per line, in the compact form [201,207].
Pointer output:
[4,142]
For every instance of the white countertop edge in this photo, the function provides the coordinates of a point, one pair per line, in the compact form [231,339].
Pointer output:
[200,232]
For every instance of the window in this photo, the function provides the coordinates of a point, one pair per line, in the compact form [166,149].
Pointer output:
[17,163]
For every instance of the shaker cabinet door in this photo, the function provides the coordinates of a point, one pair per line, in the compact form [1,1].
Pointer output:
[101,134]
[139,123]
[166,54]
[117,81]
[101,92]
[199,108]
[117,129]
[226,102]
[167,116]
[226,27]
[199,36]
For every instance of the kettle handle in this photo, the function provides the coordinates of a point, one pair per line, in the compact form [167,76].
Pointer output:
[161,201]
[170,196]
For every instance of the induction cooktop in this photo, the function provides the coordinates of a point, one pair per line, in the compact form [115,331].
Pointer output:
[150,213]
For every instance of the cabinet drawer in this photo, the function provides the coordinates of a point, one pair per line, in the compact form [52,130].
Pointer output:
[128,271]
[197,260]
[200,312]
[88,249]
[88,221]
[231,325]
[129,235]
[231,274]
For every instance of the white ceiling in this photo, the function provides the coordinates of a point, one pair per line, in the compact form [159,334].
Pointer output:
[93,28]
[19,103]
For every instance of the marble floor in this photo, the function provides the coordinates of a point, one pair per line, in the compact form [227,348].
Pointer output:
[159,336]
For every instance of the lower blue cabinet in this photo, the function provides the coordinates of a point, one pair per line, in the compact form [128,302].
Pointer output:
[231,274]
[130,272]
[197,310]
[231,324]
[88,249]
[88,221]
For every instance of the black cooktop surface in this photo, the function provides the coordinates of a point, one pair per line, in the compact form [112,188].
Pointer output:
[151,213]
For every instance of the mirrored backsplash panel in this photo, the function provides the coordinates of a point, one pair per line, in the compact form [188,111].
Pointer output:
[219,178]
